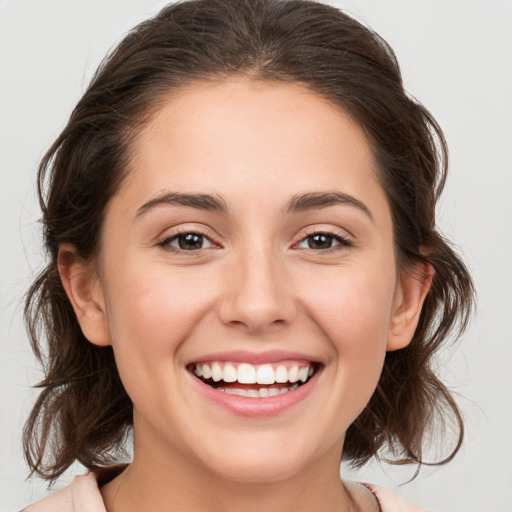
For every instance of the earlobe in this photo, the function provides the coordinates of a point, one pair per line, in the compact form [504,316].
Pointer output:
[85,293]
[409,298]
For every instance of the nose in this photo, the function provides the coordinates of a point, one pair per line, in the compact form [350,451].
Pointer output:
[258,295]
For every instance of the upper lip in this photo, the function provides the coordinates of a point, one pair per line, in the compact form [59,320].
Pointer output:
[255,358]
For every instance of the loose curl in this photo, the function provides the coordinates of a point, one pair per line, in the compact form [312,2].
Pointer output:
[83,412]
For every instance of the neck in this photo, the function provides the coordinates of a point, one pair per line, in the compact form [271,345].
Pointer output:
[177,482]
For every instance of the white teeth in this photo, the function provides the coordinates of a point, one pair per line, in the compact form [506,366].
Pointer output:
[281,374]
[217,372]
[229,374]
[293,374]
[207,371]
[303,374]
[258,393]
[265,375]
[247,373]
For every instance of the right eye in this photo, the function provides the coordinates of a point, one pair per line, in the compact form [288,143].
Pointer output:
[189,242]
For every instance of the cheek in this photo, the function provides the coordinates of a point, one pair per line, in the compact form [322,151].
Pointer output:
[351,303]
[353,308]
[157,305]
[150,314]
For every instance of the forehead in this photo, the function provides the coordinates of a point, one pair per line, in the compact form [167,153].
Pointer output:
[238,135]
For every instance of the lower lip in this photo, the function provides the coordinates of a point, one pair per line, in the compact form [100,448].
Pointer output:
[255,407]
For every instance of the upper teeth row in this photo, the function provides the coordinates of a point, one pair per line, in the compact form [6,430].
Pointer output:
[246,373]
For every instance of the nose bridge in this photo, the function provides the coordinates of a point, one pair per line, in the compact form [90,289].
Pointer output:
[257,296]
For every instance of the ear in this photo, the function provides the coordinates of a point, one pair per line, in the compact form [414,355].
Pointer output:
[84,290]
[411,290]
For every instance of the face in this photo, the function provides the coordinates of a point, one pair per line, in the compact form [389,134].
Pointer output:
[247,280]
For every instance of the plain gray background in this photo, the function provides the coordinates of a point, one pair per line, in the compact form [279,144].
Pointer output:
[456,57]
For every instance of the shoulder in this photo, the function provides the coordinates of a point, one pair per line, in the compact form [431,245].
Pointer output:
[81,495]
[391,502]
[377,499]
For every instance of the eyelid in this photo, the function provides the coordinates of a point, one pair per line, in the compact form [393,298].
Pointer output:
[342,236]
[175,232]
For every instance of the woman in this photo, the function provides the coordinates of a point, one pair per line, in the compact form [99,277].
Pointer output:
[244,268]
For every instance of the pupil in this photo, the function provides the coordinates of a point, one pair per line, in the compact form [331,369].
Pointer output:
[320,241]
[190,241]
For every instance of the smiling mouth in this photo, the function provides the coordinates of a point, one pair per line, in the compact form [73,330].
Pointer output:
[254,381]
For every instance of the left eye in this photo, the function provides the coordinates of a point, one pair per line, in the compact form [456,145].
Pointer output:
[188,242]
[321,241]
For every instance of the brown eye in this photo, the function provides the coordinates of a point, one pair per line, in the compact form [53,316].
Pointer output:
[190,242]
[320,241]
[323,241]
[187,242]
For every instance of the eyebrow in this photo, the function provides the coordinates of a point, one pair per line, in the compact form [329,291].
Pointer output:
[198,201]
[319,200]
[298,203]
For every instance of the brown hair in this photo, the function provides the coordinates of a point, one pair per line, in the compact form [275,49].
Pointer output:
[83,412]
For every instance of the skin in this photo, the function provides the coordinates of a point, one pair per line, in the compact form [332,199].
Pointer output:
[256,285]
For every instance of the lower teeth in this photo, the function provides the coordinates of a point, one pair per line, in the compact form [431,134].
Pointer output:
[257,393]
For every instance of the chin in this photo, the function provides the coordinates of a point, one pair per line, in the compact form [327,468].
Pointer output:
[251,459]
[260,471]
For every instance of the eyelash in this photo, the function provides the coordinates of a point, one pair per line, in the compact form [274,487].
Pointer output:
[165,243]
[343,241]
